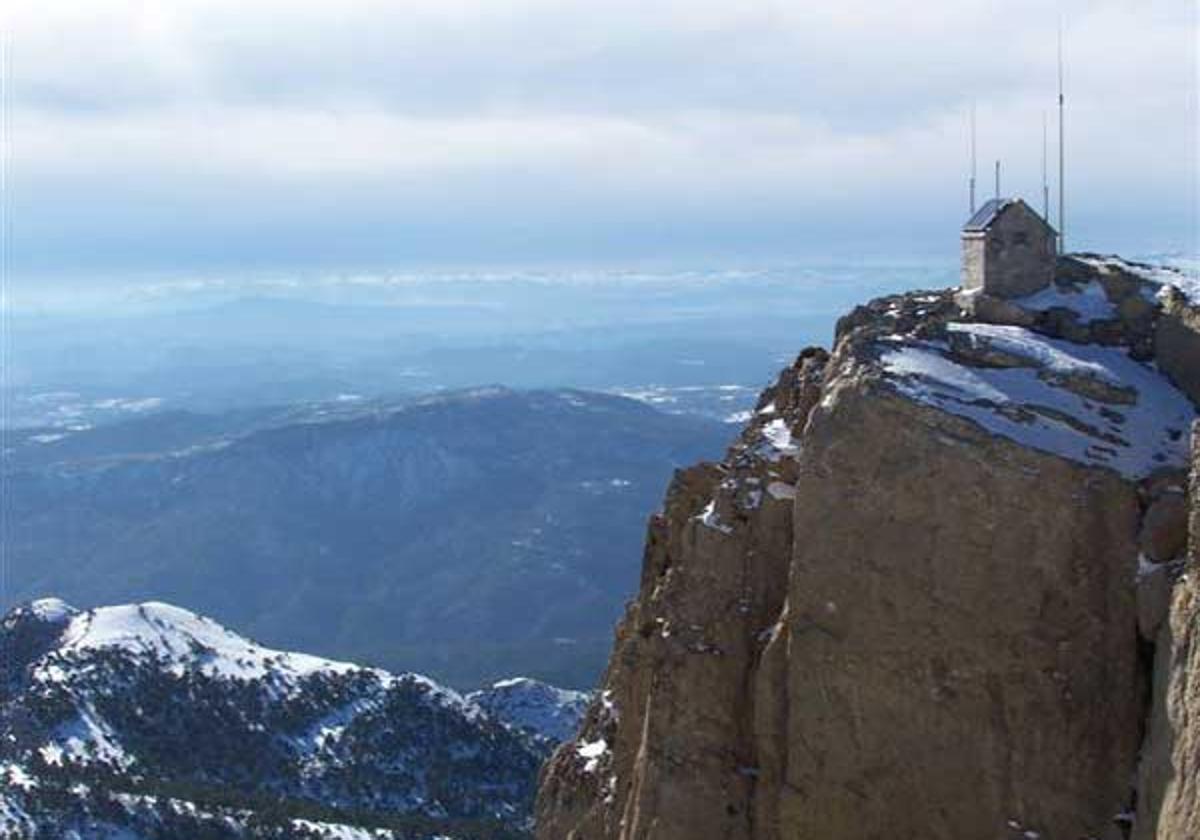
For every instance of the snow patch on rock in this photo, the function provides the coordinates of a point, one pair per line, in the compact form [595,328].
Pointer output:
[1185,280]
[1088,301]
[709,518]
[1038,405]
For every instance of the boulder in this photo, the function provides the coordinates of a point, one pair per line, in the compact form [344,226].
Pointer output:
[1135,309]
[1072,270]
[1164,531]
[1119,286]
[979,305]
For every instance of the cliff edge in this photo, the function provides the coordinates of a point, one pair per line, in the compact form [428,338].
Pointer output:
[929,592]
[1169,778]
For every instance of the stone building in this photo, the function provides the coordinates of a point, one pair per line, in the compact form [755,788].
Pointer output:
[1008,250]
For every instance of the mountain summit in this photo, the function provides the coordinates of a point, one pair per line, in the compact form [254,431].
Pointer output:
[147,721]
[920,596]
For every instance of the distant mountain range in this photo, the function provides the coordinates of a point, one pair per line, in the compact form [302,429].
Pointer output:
[471,535]
[147,721]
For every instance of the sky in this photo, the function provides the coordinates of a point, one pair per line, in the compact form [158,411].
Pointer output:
[181,135]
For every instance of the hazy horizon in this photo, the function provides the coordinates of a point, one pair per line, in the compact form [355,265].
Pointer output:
[219,138]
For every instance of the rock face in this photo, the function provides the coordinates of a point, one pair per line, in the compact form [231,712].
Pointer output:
[920,668]
[1169,783]
[890,610]
[1177,342]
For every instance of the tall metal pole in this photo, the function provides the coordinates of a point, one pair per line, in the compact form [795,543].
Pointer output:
[997,180]
[1062,157]
[973,164]
[1045,174]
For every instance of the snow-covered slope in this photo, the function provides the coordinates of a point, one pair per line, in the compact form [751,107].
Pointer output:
[1085,402]
[534,706]
[1158,276]
[1074,369]
[147,712]
[180,640]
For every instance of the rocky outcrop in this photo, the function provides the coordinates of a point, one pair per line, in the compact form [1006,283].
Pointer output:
[1169,778]
[1177,342]
[673,729]
[930,691]
[891,609]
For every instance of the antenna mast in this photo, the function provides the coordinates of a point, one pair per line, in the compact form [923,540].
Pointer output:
[1062,201]
[1045,167]
[997,180]
[973,164]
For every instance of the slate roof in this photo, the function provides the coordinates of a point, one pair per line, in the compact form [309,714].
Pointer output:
[987,214]
[990,211]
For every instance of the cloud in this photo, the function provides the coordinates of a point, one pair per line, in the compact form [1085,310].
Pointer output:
[461,130]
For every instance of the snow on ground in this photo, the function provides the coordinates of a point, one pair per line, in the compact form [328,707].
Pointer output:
[13,816]
[726,402]
[780,491]
[323,736]
[16,775]
[554,713]
[779,435]
[1185,276]
[186,640]
[174,640]
[709,518]
[1030,405]
[1089,302]
[337,831]
[591,752]
[1061,357]
[52,610]
[87,738]
[181,641]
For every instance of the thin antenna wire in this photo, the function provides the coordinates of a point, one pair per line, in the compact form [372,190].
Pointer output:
[973,159]
[1062,156]
[1045,168]
[5,332]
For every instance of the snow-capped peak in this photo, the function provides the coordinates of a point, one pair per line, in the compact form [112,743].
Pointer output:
[51,610]
[157,694]
[534,706]
[180,639]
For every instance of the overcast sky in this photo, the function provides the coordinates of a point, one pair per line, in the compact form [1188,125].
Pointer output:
[173,135]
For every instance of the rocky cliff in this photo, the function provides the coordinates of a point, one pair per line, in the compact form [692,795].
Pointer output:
[1169,779]
[921,595]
